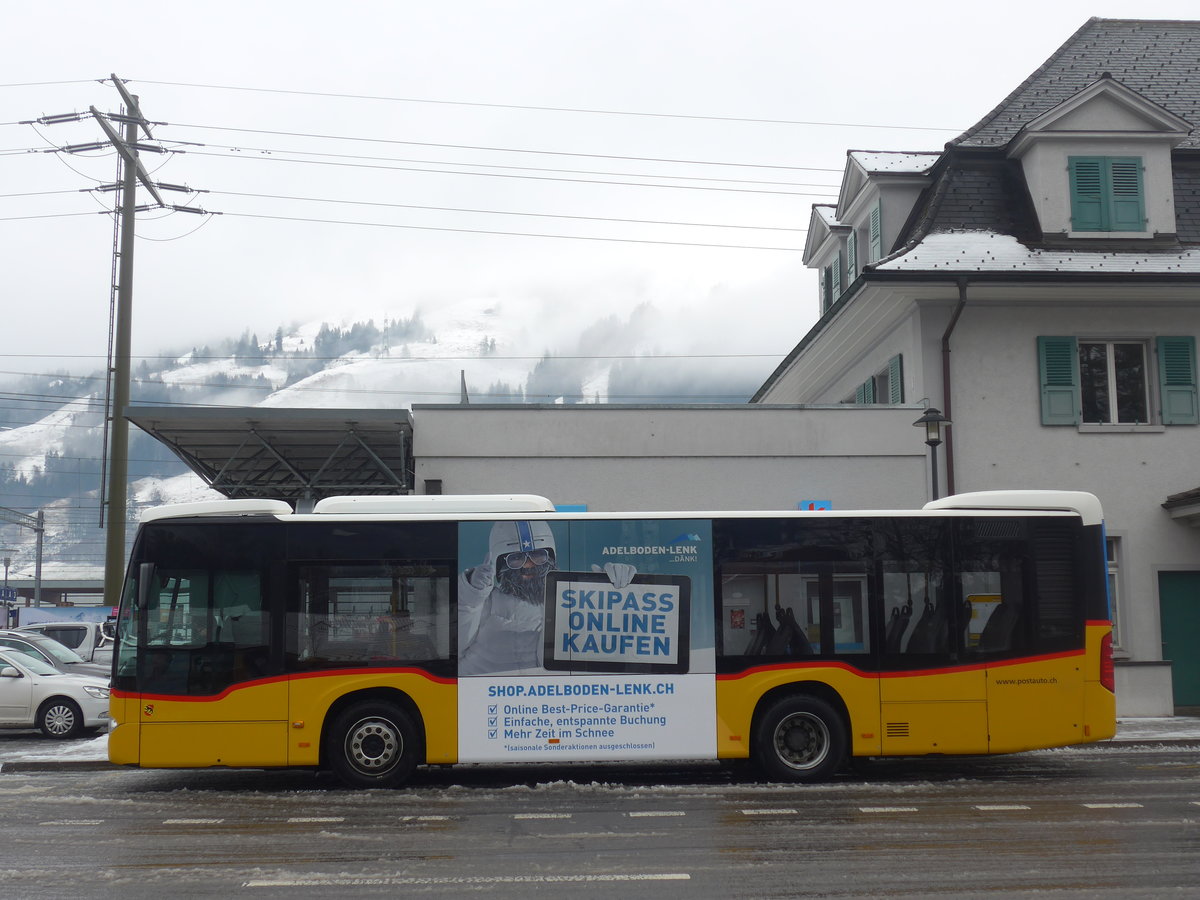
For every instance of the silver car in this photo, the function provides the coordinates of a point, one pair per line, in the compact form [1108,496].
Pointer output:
[35,694]
[51,651]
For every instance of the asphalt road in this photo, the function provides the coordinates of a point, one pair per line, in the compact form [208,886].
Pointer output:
[1116,821]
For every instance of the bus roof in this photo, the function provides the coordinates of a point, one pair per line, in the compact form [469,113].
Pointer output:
[1081,502]
[504,505]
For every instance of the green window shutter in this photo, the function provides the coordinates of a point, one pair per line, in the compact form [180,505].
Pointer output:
[860,394]
[869,390]
[1058,369]
[1087,193]
[1128,204]
[875,234]
[896,379]
[851,256]
[1177,380]
[837,275]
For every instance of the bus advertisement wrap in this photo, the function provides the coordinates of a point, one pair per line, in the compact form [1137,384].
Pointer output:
[606,614]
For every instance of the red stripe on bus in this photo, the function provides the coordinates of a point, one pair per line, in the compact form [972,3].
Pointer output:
[892,673]
[258,682]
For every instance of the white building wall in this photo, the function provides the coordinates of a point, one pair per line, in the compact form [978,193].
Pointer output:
[685,458]
[999,442]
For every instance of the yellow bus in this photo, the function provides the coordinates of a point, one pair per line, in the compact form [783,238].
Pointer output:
[372,635]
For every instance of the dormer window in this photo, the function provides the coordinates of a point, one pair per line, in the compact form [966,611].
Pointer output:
[1099,165]
[1107,193]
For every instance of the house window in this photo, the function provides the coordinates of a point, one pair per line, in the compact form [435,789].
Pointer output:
[1113,552]
[1106,193]
[885,386]
[1112,383]
[1108,382]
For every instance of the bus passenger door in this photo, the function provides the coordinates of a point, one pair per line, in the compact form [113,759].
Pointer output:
[930,702]
[209,693]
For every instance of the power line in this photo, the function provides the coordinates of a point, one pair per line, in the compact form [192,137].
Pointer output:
[380,168]
[500,212]
[558,109]
[569,237]
[490,149]
[275,154]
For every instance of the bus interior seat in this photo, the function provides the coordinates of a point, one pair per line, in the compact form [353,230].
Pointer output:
[929,634]
[763,632]
[998,632]
[789,639]
[897,625]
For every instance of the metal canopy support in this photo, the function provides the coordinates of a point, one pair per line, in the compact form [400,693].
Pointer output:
[288,454]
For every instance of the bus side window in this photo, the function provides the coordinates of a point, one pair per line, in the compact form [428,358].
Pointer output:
[994,582]
[371,614]
[913,555]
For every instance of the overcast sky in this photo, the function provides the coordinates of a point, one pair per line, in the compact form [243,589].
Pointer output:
[379,158]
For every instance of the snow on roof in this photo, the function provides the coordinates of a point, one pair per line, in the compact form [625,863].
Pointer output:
[827,214]
[881,161]
[989,251]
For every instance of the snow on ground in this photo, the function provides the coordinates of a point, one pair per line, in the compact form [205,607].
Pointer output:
[33,441]
[184,488]
[47,750]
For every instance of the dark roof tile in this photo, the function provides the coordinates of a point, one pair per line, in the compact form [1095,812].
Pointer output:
[1158,59]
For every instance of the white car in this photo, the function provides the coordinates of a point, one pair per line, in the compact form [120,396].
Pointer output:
[35,694]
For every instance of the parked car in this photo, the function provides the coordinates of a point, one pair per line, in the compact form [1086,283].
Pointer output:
[52,652]
[91,640]
[35,694]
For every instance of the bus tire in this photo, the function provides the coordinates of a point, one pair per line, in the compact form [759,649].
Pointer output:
[800,738]
[373,744]
[60,718]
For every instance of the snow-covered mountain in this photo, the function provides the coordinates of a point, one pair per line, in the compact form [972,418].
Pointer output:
[504,350]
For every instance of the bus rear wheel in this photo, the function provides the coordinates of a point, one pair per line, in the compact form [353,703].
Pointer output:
[373,745]
[800,738]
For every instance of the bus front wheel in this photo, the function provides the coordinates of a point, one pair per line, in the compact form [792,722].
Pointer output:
[373,745]
[800,738]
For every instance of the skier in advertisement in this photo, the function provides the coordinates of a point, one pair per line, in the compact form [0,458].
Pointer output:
[501,601]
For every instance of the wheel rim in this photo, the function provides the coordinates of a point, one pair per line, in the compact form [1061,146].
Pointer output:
[802,741]
[59,719]
[374,746]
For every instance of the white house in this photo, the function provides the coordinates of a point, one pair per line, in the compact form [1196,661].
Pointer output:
[1038,281]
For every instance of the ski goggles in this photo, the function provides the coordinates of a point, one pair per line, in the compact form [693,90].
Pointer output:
[516,560]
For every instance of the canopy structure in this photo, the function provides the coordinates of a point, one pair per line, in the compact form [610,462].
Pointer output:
[299,455]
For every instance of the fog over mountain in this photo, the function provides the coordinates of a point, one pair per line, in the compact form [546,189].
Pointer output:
[506,350]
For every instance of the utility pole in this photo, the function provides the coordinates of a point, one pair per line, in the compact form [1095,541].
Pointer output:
[118,468]
[115,486]
[38,525]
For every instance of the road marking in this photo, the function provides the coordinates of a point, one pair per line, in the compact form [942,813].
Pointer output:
[303,819]
[192,821]
[351,881]
[768,812]
[887,809]
[542,816]
[1112,806]
[1001,807]
[653,813]
[74,822]
[426,818]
